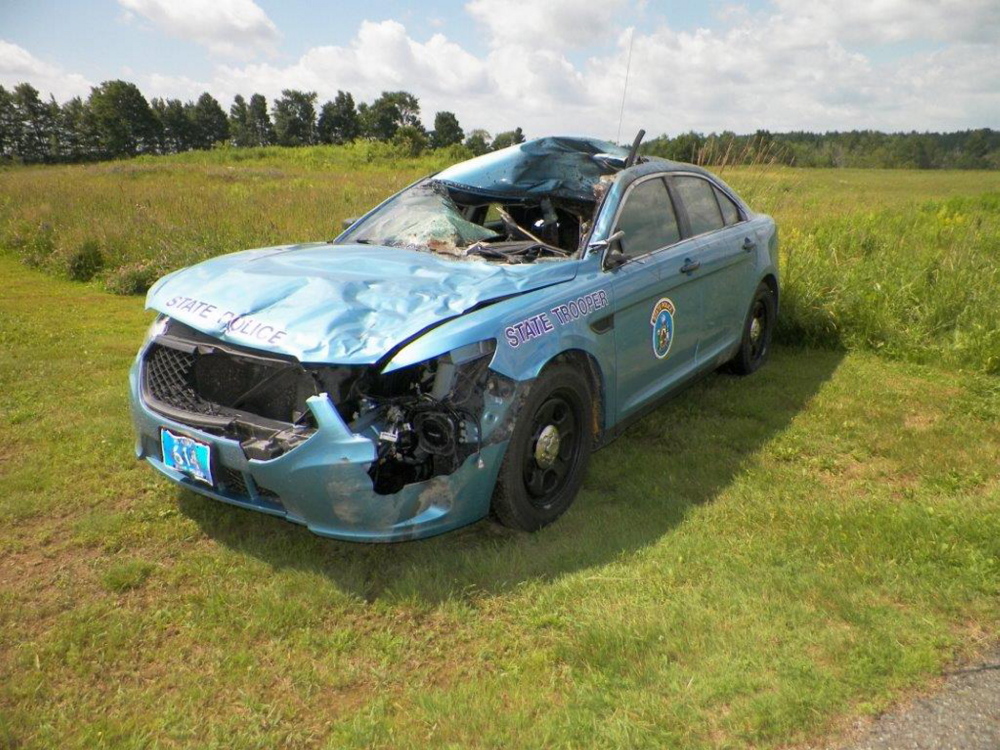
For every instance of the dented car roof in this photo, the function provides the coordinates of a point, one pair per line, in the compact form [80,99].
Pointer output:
[561,167]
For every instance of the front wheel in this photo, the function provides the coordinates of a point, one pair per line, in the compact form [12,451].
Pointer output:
[758,330]
[548,451]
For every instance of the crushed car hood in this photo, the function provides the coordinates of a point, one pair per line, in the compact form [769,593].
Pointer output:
[345,304]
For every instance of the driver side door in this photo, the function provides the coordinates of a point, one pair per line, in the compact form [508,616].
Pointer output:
[658,314]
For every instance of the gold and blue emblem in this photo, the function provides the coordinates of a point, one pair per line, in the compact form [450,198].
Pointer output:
[662,321]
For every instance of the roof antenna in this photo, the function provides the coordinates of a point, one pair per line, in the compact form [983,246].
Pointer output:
[628,66]
[634,151]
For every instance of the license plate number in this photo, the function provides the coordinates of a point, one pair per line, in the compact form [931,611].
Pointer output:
[187,455]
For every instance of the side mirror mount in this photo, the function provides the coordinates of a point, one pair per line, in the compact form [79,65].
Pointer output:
[615,260]
[613,255]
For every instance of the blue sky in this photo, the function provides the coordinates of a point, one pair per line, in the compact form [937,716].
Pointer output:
[555,66]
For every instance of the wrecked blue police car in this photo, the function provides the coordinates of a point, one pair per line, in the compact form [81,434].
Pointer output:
[459,350]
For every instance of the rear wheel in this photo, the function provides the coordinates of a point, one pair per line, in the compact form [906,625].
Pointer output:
[548,451]
[758,330]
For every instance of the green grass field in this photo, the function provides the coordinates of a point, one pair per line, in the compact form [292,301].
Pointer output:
[903,262]
[755,564]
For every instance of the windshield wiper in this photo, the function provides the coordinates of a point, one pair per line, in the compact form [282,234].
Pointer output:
[516,251]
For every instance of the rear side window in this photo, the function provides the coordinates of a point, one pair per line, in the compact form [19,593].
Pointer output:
[648,219]
[730,213]
[698,197]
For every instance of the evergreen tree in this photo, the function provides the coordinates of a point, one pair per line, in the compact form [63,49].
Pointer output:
[239,123]
[261,128]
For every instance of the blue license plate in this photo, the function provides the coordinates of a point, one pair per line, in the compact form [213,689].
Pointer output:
[187,455]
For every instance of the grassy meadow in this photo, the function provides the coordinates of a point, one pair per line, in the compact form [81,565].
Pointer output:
[756,564]
[903,262]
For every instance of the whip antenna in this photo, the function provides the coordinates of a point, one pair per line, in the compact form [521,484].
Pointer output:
[628,66]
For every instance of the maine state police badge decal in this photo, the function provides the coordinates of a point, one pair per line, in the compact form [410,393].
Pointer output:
[663,327]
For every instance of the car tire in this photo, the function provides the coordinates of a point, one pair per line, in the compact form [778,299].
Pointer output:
[548,451]
[758,330]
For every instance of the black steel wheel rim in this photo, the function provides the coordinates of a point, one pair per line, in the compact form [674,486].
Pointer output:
[758,330]
[543,480]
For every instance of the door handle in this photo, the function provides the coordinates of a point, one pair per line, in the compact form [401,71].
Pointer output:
[749,244]
[690,266]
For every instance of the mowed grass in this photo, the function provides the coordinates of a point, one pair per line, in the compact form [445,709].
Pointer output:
[902,262]
[754,564]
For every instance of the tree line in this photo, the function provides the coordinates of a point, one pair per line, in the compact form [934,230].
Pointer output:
[968,149]
[117,121]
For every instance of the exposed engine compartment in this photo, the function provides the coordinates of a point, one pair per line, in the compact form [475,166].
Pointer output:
[426,419]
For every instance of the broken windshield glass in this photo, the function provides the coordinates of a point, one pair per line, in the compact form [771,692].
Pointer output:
[424,216]
[530,202]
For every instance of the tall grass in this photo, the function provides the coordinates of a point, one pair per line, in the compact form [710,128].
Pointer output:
[149,216]
[918,283]
[901,262]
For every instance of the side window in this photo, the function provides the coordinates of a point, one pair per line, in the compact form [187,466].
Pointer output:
[730,213]
[698,197]
[648,219]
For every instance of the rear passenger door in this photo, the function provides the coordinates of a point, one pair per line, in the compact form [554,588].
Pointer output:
[725,248]
[657,321]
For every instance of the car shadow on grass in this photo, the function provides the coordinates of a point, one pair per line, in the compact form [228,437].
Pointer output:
[640,487]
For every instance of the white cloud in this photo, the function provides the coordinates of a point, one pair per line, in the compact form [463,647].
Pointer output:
[774,70]
[17,65]
[898,20]
[173,87]
[790,66]
[553,24]
[381,57]
[228,28]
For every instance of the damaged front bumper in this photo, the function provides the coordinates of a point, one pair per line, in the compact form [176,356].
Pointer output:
[324,482]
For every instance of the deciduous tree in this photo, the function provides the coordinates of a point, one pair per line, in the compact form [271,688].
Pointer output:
[124,122]
[338,120]
[447,131]
[478,142]
[507,138]
[261,128]
[295,118]
[209,122]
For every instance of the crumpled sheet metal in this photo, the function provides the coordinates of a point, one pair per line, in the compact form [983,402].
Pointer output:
[555,167]
[339,304]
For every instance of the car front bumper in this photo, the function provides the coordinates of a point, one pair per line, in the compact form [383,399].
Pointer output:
[323,483]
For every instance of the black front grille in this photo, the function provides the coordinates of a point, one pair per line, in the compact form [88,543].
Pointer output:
[256,398]
[169,378]
[234,484]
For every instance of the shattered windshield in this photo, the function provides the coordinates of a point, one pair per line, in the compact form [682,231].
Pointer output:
[534,201]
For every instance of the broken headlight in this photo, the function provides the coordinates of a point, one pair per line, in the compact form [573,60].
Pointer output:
[427,416]
[157,328]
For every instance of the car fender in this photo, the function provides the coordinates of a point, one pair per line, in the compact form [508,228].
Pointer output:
[531,330]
